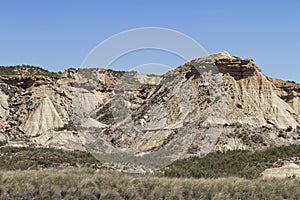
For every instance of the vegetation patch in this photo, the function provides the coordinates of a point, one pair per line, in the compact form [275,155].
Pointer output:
[70,126]
[105,115]
[27,70]
[23,158]
[90,184]
[236,163]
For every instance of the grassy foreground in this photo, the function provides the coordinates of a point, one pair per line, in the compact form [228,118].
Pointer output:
[37,173]
[90,184]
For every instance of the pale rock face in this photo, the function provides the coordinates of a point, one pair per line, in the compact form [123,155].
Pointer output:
[295,104]
[254,102]
[251,98]
[43,119]
[2,137]
[152,80]
[159,139]
[66,140]
[4,106]
[4,112]
[92,123]
[85,100]
[232,144]
[289,92]
[287,171]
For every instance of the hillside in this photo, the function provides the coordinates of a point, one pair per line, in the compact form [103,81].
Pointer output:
[220,102]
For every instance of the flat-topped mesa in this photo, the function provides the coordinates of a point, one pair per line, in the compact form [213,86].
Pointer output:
[237,67]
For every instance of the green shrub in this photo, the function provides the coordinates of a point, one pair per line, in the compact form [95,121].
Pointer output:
[289,128]
[25,70]
[2,143]
[70,126]
[22,158]
[237,163]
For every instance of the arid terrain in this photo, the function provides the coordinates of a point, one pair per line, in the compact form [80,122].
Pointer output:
[217,116]
[252,111]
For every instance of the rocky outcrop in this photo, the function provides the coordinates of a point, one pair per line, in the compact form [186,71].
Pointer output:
[234,66]
[290,170]
[289,92]
[220,102]
[4,106]
[254,101]
[43,118]
[251,98]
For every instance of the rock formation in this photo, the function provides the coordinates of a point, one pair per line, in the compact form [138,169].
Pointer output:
[290,170]
[220,102]
[43,118]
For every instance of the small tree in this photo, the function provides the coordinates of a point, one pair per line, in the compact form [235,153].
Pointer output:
[289,128]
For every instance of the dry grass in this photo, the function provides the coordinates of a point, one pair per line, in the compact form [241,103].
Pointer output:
[90,184]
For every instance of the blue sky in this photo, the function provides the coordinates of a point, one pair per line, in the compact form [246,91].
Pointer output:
[59,34]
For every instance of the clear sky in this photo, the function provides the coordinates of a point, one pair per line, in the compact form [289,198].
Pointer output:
[58,34]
